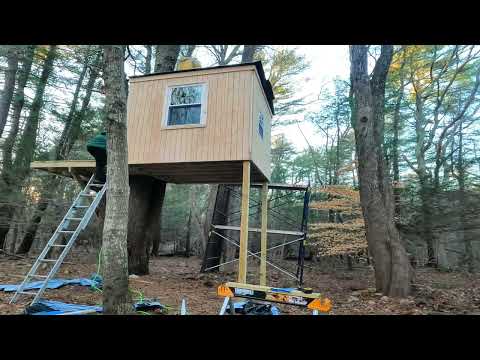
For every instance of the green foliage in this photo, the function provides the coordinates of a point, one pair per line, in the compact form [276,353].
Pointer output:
[282,67]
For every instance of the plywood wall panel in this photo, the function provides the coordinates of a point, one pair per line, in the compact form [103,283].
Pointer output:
[228,128]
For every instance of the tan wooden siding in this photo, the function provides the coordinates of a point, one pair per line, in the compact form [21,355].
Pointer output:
[225,137]
[261,156]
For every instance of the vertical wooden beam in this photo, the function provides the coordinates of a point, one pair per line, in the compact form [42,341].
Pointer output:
[263,240]
[242,263]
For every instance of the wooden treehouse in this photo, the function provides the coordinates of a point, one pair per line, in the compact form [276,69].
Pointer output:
[194,126]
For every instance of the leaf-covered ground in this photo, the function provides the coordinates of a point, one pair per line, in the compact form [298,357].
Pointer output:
[174,278]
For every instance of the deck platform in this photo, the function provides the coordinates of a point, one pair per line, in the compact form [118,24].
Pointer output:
[212,172]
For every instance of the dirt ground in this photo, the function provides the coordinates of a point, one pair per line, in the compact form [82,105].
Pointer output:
[174,278]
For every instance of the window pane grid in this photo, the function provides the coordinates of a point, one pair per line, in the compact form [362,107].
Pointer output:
[185,105]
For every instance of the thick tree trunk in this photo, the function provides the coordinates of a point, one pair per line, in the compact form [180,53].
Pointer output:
[116,299]
[391,262]
[190,50]
[140,196]
[166,57]
[148,59]
[213,252]
[9,85]
[248,53]
[155,222]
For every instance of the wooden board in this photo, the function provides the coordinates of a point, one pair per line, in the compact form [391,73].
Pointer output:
[243,252]
[213,172]
[314,301]
[263,238]
[269,231]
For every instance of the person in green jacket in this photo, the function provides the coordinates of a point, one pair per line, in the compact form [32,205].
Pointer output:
[97,147]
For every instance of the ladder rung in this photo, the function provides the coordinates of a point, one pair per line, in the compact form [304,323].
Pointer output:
[48,260]
[67,231]
[74,219]
[39,276]
[27,292]
[81,206]
[96,185]
[88,195]
[58,245]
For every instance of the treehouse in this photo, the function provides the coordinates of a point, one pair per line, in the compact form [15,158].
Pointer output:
[195,126]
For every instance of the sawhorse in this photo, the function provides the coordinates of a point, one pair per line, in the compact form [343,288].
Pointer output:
[312,301]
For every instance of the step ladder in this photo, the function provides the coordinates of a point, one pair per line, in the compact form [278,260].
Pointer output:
[75,220]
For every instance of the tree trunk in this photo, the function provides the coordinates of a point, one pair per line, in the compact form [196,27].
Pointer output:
[187,238]
[140,198]
[155,223]
[14,238]
[17,106]
[9,85]
[391,262]
[426,198]
[248,53]
[395,143]
[190,50]
[116,299]
[148,59]
[469,257]
[213,252]
[166,57]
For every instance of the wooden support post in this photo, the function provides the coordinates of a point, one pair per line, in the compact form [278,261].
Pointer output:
[263,239]
[242,266]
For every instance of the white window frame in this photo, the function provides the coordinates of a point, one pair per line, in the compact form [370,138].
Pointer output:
[203,106]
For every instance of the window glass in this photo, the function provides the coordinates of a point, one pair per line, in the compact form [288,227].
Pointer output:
[185,105]
[186,95]
[260,124]
[181,115]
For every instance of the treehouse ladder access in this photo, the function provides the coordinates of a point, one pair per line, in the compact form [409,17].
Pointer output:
[78,216]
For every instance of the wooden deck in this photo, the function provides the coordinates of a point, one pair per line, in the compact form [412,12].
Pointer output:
[212,172]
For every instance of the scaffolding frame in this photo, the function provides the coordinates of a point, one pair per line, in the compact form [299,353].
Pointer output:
[265,207]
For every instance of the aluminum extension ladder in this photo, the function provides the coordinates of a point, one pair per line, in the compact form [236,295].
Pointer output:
[75,220]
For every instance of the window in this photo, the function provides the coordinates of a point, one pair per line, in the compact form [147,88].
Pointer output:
[186,105]
[260,124]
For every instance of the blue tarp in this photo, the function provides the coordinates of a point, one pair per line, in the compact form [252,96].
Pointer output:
[95,281]
[282,289]
[58,308]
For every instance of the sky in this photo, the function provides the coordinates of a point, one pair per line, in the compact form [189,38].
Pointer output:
[326,63]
